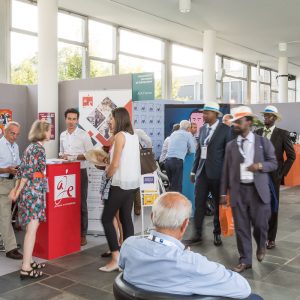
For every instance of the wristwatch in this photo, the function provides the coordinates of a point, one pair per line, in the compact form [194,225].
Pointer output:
[260,166]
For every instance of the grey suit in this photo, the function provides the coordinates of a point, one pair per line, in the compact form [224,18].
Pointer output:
[250,203]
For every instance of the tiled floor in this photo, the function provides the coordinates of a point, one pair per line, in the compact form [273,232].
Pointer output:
[77,277]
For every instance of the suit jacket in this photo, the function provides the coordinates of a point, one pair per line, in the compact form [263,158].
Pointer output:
[282,143]
[264,153]
[215,151]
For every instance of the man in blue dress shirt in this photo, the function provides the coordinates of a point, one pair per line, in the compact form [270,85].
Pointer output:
[181,142]
[160,262]
[9,160]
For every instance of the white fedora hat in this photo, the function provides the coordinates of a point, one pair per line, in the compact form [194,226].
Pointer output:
[93,156]
[241,112]
[271,109]
[212,106]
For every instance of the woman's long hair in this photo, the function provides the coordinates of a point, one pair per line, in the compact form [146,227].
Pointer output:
[122,119]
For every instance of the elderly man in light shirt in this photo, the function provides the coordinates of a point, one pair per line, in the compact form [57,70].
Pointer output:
[74,142]
[9,160]
[181,142]
[160,262]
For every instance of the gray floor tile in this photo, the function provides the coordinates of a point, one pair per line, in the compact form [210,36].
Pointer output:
[58,282]
[291,269]
[35,291]
[272,292]
[295,262]
[91,276]
[53,269]
[73,261]
[88,292]
[68,296]
[284,279]
[260,270]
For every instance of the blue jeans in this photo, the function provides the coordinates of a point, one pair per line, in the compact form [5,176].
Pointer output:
[174,168]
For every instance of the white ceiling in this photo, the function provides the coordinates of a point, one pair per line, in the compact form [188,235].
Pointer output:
[249,30]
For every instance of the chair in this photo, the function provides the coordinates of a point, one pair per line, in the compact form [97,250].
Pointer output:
[125,291]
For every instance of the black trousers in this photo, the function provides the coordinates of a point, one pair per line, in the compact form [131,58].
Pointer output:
[203,186]
[250,210]
[121,200]
[174,168]
[84,208]
[273,221]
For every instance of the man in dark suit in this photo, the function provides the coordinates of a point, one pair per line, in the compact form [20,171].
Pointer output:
[248,160]
[282,143]
[207,168]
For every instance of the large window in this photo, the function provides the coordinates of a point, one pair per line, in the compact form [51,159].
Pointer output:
[234,81]
[141,53]
[187,78]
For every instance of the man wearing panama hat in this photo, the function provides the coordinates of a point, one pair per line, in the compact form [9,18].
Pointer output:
[282,143]
[207,168]
[248,160]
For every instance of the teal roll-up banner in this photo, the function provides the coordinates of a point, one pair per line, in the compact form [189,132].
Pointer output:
[143,86]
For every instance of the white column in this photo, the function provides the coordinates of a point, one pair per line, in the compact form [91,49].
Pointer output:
[4,38]
[47,66]
[282,79]
[209,66]
[258,100]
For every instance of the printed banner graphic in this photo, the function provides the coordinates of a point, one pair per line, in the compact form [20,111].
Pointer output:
[64,189]
[5,117]
[50,118]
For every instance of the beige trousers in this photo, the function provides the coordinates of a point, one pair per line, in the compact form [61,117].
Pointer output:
[6,229]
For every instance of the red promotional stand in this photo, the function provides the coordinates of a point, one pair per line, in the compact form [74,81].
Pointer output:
[60,234]
[293,177]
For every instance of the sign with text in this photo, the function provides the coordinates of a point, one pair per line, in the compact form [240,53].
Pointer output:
[143,86]
[50,118]
[64,188]
[5,117]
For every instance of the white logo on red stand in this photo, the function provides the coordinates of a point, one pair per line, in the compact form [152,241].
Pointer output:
[64,190]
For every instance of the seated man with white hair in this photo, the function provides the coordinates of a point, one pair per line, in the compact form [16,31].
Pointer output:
[181,142]
[160,262]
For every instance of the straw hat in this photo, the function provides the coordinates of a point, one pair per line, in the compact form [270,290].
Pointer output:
[271,109]
[212,106]
[241,112]
[93,155]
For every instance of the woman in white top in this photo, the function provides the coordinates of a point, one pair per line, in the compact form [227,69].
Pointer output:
[125,170]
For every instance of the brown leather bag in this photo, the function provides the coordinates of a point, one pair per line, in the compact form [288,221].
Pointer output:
[148,163]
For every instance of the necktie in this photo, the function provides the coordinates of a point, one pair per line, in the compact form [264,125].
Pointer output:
[267,132]
[208,130]
[242,143]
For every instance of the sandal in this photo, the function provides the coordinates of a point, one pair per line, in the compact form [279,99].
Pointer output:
[33,274]
[36,266]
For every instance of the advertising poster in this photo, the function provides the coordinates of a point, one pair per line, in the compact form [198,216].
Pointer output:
[149,116]
[143,86]
[50,118]
[5,117]
[95,109]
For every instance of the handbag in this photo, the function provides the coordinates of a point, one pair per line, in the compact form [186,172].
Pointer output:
[148,163]
[226,219]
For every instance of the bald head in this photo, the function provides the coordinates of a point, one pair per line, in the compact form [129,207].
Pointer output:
[170,210]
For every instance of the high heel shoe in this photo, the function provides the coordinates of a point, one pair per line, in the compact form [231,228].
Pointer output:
[109,269]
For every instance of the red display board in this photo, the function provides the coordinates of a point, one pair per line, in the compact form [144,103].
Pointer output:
[60,235]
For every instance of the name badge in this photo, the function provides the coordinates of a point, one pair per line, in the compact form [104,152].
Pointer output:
[245,174]
[203,152]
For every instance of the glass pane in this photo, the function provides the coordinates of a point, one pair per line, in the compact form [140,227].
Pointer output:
[292,84]
[264,95]
[70,59]
[264,74]
[218,62]
[100,68]
[101,40]
[23,59]
[292,96]
[235,68]
[234,90]
[274,97]
[218,90]
[186,84]
[70,27]
[187,56]
[128,65]
[274,81]
[139,44]
[24,16]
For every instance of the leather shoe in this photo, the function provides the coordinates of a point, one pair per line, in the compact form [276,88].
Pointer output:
[83,241]
[14,254]
[271,245]
[192,241]
[217,240]
[241,268]
[260,254]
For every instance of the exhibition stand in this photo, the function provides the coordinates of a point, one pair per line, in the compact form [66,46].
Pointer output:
[60,234]
[293,177]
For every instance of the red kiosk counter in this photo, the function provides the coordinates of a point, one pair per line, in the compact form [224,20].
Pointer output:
[60,234]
